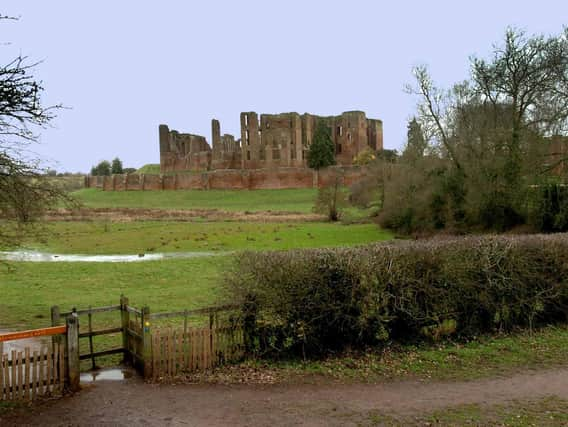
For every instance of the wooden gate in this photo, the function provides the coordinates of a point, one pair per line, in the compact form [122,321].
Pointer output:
[152,342]
[176,351]
[26,373]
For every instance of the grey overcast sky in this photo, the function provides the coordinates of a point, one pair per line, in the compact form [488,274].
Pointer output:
[123,67]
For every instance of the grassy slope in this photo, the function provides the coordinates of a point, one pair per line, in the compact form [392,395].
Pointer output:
[148,236]
[150,168]
[294,200]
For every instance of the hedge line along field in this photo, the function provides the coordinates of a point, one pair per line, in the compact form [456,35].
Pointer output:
[313,301]
[160,236]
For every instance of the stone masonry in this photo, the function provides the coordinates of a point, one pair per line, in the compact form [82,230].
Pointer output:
[271,141]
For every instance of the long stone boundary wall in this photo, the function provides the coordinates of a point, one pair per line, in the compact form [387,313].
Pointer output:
[229,179]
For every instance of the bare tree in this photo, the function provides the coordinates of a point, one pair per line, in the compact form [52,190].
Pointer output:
[24,193]
[331,198]
[530,76]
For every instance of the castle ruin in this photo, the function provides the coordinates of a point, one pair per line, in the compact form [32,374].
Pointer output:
[276,140]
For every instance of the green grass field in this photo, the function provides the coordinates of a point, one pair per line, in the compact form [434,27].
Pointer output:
[30,289]
[293,200]
[160,236]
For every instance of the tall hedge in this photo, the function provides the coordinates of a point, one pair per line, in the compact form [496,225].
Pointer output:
[314,301]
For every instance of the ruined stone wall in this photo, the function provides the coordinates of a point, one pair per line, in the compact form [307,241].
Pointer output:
[183,151]
[236,179]
[283,140]
[226,151]
[268,141]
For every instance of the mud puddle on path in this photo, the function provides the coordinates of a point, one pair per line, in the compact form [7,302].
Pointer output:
[110,374]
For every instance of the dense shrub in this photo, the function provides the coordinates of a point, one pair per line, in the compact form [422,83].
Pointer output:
[550,208]
[314,301]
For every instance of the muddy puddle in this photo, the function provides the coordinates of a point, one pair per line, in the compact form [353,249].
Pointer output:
[36,256]
[114,374]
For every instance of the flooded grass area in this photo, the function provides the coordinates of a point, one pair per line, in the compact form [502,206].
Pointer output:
[36,256]
[149,237]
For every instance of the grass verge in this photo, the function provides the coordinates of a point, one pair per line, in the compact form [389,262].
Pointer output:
[480,358]
[550,411]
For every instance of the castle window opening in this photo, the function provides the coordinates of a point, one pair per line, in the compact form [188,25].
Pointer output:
[349,136]
[248,155]
[338,148]
[246,120]
[339,130]
[247,142]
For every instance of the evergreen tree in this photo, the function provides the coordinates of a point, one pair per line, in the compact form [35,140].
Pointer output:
[116,167]
[322,152]
[416,144]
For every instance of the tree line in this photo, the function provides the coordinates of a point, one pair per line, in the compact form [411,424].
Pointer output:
[105,168]
[478,153]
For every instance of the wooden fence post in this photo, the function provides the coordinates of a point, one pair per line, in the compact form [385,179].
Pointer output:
[125,319]
[73,361]
[146,342]
[55,320]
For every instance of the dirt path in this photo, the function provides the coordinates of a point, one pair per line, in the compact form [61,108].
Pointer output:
[133,402]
